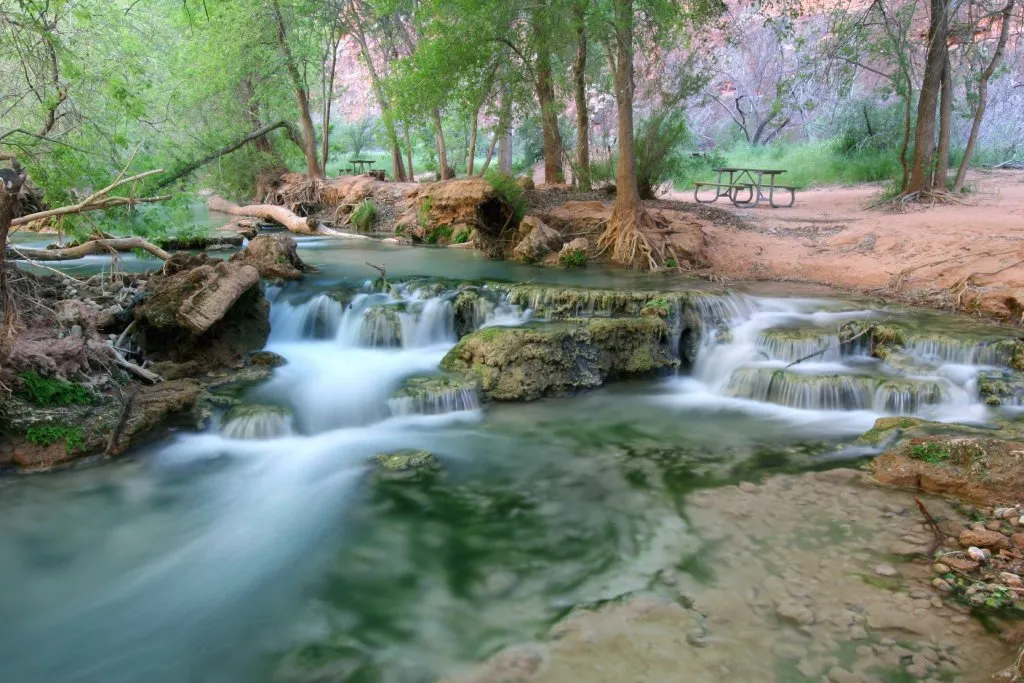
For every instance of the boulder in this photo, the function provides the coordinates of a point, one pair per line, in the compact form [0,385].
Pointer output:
[201,309]
[984,538]
[536,240]
[523,364]
[275,257]
[578,244]
[469,202]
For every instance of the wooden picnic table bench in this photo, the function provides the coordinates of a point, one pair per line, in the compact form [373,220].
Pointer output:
[751,180]
[360,166]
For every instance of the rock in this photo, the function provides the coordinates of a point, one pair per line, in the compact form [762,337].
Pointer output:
[858,632]
[580,244]
[984,538]
[253,421]
[942,585]
[274,257]
[170,370]
[795,613]
[810,668]
[404,461]
[468,202]
[886,570]
[1017,540]
[1011,579]
[536,240]
[788,651]
[748,487]
[198,308]
[837,675]
[979,555]
[522,364]
[961,564]
[939,568]
[993,525]
[1006,513]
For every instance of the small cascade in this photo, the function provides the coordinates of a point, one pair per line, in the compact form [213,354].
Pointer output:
[317,318]
[428,321]
[907,397]
[810,392]
[257,422]
[792,345]
[960,351]
[434,396]
[381,327]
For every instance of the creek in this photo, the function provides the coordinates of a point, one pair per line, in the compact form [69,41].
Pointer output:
[268,547]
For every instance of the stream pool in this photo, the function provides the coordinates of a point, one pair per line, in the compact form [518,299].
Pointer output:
[213,559]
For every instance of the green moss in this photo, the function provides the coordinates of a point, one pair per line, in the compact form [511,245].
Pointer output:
[47,392]
[884,426]
[406,460]
[423,212]
[657,307]
[364,215]
[46,434]
[931,452]
[671,263]
[573,258]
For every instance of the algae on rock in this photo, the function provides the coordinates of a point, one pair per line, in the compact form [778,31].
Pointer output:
[525,363]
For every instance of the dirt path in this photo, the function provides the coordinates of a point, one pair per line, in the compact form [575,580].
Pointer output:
[968,256]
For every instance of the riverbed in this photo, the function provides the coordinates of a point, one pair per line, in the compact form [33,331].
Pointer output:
[715,510]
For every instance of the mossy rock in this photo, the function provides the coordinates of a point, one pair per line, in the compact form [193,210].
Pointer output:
[1001,388]
[407,463]
[526,363]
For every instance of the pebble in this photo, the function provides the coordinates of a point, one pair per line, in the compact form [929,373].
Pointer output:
[994,525]
[811,668]
[76,330]
[748,487]
[939,568]
[978,554]
[858,633]
[1005,513]
[788,651]
[837,675]
[886,570]
[1011,579]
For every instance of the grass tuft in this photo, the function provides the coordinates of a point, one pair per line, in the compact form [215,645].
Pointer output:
[48,393]
[364,215]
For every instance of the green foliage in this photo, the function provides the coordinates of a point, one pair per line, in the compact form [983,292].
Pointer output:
[461,236]
[364,215]
[48,392]
[660,140]
[573,258]
[440,235]
[671,263]
[423,212]
[46,434]
[931,452]
[507,187]
[822,163]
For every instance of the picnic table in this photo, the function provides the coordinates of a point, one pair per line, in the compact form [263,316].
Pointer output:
[746,187]
[361,166]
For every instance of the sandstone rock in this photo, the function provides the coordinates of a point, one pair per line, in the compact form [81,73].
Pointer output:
[961,564]
[536,240]
[523,364]
[1006,513]
[204,310]
[984,538]
[942,585]
[1011,579]
[580,243]
[1017,540]
[795,612]
[837,675]
[275,257]
[886,570]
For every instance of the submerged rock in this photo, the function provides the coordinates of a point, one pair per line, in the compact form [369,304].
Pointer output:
[275,257]
[202,309]
[522,364]
[406,461]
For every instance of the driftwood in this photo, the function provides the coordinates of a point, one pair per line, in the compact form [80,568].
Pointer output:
[269,212]
[281,216]
[103,246]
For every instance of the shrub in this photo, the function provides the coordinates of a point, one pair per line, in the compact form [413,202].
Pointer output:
[46,434]
[364,215]
[440,235]
[509,188]
[47,392]
[660,140]
[931,452]
[462,235]
[573,258]
[423,213]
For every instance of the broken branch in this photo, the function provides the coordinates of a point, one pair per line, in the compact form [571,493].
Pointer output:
[91,247]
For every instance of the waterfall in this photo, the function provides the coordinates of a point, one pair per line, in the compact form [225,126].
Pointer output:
[257,422]
[908,397]
[437,402]
[317,318]
[959,351]
[790,349]
[811,392]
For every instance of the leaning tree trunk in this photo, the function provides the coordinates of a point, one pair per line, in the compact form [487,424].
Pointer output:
[580,94]
[624,237]
[923,163]
[301,97]
[490,153]
[979,112]
[945,132]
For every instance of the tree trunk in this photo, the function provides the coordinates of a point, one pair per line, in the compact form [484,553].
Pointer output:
[408,150]
[398,170]
[471,149]
[490,152]
[9,314]
[271,212]
[979,112]
[580,93]
[325,142]
[444,171]
[93,247]
[548,107]
[505,153]
[624,236]
[945,124]
[250,110]
[301,97]
[923,163]
[253,137]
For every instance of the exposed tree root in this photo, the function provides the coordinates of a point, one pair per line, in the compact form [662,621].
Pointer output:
[896,281]
[925,199]
[100,246]
[625,242]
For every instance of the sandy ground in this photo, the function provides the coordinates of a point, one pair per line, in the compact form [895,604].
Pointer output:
[968,256]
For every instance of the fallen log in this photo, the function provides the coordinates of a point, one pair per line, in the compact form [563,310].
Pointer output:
[103,246]
[269,212]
